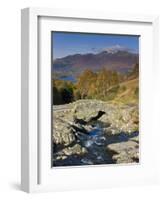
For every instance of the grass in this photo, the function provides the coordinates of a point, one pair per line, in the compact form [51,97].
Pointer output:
[128,92]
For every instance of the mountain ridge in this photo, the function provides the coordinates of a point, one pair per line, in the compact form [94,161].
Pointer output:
[120,61]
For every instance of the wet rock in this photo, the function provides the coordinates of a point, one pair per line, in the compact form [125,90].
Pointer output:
[76,149]
[61,157]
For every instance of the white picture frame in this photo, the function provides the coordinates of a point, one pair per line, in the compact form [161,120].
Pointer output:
[36,172]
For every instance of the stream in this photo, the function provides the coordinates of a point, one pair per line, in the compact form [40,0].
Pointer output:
[96,144]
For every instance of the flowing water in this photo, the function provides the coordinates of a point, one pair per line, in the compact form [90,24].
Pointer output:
[96,144]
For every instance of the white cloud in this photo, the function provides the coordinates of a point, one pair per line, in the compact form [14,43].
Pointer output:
[115,48]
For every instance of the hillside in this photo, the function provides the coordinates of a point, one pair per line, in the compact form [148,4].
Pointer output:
[128,92]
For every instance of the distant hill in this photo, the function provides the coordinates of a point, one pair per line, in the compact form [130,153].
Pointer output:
[121,61]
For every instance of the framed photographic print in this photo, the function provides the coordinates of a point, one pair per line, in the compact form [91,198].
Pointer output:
[95,115]
[86,94]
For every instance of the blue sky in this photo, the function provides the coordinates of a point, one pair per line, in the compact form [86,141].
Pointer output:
[72,43]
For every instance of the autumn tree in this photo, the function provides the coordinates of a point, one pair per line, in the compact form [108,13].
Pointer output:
[97,85]
[101,85]
[85,80]
[106,79]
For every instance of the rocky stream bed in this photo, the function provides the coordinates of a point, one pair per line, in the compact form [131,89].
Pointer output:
[91,132]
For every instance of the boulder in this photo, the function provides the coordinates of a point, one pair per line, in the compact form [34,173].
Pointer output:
[62,133]
[124,152]
[74,150]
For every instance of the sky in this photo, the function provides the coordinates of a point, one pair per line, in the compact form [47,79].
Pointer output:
[64,43]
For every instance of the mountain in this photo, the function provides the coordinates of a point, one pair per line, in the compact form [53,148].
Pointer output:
[121,61]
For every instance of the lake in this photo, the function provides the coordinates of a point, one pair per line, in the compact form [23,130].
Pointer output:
[68,78]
